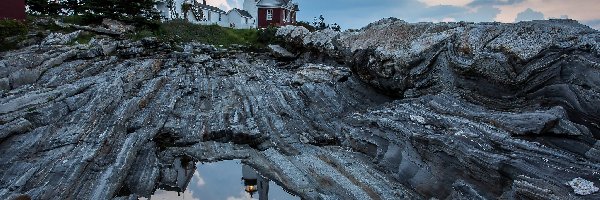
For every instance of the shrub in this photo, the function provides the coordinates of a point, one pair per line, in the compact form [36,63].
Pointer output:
[268,35]
[131,11]
[138,12]
[184,31]
[10,28]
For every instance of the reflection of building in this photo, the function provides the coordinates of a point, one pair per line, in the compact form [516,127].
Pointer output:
[253,182]
[178,179]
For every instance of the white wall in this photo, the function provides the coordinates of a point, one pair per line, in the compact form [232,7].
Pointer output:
[213,19]
[226,19]
[239,21]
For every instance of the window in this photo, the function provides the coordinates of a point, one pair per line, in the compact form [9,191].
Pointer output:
[219,16]
[270,14]
[246,20]
[208,15]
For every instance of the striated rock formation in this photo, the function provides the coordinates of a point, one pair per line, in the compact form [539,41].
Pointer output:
[536,83]
[392,111]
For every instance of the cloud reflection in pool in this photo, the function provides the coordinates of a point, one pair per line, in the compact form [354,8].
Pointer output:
[221,181]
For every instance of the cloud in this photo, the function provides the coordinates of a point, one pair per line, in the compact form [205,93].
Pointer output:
[446,2]
[494,2]
[358,13]
[482,14]
[576,9]
[199,180]
[529,15]
[222,4]
[168,195]
[242,196]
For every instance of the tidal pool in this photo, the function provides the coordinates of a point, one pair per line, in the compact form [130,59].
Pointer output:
[226,180]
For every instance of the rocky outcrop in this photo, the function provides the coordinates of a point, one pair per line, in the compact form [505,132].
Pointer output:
[530,79]
[392,111]
[108,27]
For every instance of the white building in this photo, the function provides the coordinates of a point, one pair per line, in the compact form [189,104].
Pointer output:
[202,13]
[241,19]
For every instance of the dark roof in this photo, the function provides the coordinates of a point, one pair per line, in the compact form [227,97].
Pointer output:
[296,7]
[243,13]
[211,8]
[272,3]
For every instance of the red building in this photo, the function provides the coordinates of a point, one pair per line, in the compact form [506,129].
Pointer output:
[276,13]
[12,9]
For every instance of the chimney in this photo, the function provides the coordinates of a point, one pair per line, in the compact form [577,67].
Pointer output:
[204,2]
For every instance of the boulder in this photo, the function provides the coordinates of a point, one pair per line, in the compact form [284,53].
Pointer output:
[280,52]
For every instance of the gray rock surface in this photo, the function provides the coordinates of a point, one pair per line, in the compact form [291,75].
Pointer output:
[59,38]
[280,52]
[108,27]
[393,111]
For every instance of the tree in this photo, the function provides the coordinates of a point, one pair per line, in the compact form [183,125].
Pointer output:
[37,6]
[126,10]
[72,7]
[336,27]
[319,24]
[134,11]
[44,7]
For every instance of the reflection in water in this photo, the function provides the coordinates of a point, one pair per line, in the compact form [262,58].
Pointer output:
[225,180]
[255,183]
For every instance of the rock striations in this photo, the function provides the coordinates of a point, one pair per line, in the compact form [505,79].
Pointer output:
[392,111]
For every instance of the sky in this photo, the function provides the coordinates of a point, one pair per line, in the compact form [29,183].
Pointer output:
[219,181]
[359,13]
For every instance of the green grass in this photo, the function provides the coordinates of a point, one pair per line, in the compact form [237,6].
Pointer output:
[177,31]
[11,33]
[183,31]
[83,38]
